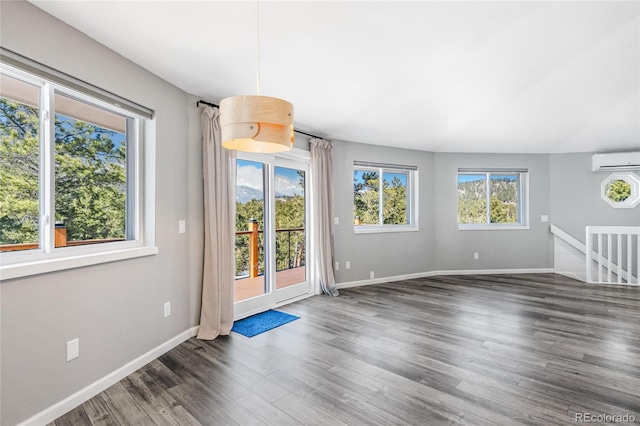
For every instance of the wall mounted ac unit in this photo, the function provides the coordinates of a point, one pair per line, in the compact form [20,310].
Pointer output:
[616,161]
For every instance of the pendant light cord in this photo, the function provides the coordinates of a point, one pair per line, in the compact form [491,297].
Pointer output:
[258,45]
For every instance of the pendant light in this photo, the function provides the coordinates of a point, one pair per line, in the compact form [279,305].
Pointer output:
[256,123]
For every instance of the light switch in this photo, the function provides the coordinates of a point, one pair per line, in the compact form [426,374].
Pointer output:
[544,218]
[73,349]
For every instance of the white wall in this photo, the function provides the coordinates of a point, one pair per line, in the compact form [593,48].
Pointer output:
[439,246]
[498,249]
[575,197]
[561,186]
[387,254]
[115,309]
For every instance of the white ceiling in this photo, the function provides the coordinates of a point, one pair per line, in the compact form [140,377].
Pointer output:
[537,77]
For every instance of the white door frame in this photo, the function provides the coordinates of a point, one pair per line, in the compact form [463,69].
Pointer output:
[295,159]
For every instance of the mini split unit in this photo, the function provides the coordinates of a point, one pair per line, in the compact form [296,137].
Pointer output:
[616,161]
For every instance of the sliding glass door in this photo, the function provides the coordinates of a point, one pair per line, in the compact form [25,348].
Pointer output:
[271,232]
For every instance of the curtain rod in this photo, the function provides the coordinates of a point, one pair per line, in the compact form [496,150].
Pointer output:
[295,130]
[206,103]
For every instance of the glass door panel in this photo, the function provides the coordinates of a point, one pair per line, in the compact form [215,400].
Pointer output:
[271,232]
[249,251]
[290,206]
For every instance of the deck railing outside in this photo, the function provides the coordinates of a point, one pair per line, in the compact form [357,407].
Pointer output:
[294,258]
[60,241]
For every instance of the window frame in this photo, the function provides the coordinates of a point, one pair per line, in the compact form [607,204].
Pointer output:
[632,180]
[412,197]
[140,195]
[523,199]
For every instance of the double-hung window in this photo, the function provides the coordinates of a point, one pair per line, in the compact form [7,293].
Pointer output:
[492,199]
[384,197]
[71,172]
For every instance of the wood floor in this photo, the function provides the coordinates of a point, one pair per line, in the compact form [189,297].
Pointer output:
[470,350]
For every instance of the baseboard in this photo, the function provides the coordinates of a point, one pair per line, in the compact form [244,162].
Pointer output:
[569,275]
[435,273]
[50,414]
[383,280]
[497,271]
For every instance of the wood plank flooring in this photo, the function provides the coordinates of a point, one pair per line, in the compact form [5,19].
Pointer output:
[468,350]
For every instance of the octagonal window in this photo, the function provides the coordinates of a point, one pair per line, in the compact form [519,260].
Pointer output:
[621,190]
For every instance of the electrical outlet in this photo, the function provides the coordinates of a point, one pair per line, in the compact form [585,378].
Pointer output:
[336,221]
[544,218]
[73,349]
[182,226]
[476,255]
[372,275]
[347,265]
[167,309]
[337,266]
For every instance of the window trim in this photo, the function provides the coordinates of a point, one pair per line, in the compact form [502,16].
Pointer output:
[412,198]
[140,166]
[630,178]
[44,72]
[523,199]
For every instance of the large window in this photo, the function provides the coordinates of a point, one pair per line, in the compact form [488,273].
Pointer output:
[70,171]
[493,199]
[384,197]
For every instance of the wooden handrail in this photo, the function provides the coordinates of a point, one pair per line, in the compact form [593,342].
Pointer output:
[254,258]
[19,247]
[254,246]
[60,241]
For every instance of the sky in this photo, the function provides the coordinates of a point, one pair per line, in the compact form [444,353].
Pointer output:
[116,137]
[388,177]
[250,173]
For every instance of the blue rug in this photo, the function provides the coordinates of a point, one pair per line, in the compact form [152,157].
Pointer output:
[259,323]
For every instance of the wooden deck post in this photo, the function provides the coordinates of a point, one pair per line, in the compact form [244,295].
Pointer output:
[61,235]
[253,248]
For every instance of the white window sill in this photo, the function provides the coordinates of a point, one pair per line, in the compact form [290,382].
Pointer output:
[42,266]
[493,227]
[381,229]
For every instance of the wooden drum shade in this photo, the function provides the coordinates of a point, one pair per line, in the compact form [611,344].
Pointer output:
[256,124]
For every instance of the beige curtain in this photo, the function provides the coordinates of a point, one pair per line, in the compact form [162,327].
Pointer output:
[219,172]
[322,189]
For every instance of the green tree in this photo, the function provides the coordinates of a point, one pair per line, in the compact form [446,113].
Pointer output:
[502,212]
[90,177]
[290,243]
[472,202]
[366,198]
[395,202]
[19,173]
[618,190]
[245,213]
[290,221]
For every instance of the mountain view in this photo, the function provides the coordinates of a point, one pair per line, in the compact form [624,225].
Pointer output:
[472,200]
